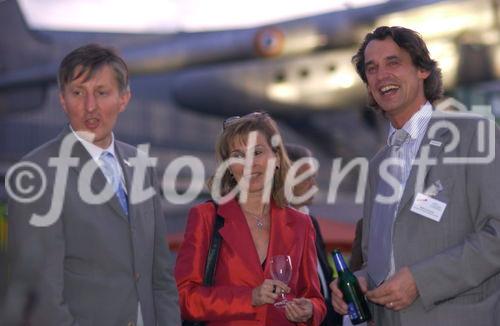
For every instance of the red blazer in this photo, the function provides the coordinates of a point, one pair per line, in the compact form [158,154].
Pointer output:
[238,271]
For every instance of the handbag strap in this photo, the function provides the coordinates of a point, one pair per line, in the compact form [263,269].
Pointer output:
[213,252]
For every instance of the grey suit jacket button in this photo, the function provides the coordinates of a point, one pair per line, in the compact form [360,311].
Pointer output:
[137,276]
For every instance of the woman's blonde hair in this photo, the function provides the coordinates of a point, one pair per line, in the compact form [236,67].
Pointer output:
[238,128]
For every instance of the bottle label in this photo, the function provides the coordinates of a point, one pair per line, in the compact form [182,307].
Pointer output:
[352,311]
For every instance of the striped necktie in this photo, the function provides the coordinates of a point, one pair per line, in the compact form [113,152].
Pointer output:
[112,173]
[383,214]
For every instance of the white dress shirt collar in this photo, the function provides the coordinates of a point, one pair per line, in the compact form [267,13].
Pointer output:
[416,124]
[95,151]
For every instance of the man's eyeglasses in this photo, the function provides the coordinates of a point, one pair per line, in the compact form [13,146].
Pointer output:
[229,121]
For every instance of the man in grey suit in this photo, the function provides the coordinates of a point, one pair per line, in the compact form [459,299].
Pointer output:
[93,248]
[431,231]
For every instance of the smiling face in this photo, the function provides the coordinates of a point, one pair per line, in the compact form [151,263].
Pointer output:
[395,83]
[262,154]
[93,105]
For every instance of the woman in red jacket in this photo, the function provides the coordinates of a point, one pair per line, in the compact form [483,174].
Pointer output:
[258,225]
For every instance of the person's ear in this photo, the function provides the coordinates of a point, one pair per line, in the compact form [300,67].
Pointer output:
[125,97]
[423,74]
[63,102]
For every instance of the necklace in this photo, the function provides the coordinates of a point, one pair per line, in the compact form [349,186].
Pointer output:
[259,220]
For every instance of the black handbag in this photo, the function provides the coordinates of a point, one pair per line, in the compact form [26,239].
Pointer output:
[213,254]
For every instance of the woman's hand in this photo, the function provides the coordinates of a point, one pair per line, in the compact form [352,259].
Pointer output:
[268,292]
[299,310]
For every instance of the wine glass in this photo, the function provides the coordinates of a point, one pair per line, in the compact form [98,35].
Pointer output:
[281,270]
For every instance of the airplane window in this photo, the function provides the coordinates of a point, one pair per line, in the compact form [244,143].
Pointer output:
[280,77]
[331,68]
[304,73]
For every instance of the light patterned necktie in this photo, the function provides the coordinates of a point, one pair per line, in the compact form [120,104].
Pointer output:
[112,173]
[383,214]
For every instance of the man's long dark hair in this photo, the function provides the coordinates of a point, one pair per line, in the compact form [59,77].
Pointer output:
[413,43]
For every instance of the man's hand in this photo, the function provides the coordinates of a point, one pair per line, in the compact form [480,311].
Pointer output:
[396,293]
[338,302]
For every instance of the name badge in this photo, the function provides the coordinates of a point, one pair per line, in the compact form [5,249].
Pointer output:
[428,207]
[435,143]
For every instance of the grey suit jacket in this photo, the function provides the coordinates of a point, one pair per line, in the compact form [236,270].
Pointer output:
[97,263]
[456,261]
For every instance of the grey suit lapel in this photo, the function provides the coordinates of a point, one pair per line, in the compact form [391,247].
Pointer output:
[431,148]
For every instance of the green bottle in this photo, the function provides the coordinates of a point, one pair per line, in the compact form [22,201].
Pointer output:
[348,283]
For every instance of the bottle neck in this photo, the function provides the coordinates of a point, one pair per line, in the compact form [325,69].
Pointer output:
[339,262]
